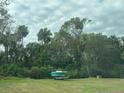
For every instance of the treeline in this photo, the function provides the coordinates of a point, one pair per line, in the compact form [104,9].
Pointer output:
[81,54]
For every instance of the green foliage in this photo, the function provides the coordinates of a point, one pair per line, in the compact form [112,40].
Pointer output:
[35,73]
[38,73]
[44,35]
[22,31]
[82,55]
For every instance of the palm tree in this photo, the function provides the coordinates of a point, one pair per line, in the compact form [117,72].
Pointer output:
[22,32]
[44,35]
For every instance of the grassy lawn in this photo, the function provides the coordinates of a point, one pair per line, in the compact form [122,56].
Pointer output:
[62,86]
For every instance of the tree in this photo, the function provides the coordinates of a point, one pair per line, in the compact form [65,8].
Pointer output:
[5,23]
[32,54]
[81,54]
[68,45]
[102,56]
[44,35]
[74,27]
[22,32]
[59,50]
[5,18]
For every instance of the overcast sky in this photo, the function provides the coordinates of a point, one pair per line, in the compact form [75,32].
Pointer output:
[107,15]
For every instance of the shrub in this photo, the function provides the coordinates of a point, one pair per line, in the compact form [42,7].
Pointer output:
[40,73]
[35,73]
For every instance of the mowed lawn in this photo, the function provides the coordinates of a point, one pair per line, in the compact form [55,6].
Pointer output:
[62,86]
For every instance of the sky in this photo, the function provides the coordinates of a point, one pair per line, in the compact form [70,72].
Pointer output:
[107,15]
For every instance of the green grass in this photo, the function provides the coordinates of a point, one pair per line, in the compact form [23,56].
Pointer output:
[62,86]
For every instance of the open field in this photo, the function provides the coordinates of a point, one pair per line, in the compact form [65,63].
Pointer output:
[62,86]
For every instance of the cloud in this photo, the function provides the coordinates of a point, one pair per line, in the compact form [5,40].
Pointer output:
[107,15]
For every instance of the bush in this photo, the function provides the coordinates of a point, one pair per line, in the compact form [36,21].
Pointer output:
[26,72]
[35,73]
[40,73]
